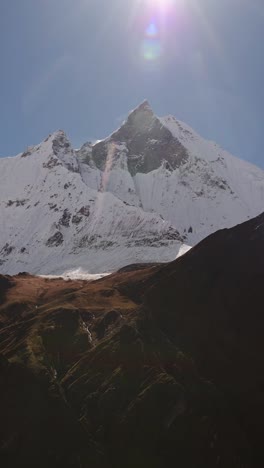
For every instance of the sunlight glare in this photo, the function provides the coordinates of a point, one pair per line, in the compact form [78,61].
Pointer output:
[165,3]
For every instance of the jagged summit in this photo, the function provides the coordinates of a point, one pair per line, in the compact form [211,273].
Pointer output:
[57,135]
[143,106]
[141,144]
[139,120]
[62,148]
[52,143]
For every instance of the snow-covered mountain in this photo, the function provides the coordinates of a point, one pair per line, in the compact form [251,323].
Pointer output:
[140,195]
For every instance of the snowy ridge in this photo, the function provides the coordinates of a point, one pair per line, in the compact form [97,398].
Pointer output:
[51,221]
[210,190]
[143,194]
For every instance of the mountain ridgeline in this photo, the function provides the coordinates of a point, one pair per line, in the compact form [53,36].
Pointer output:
[144,194]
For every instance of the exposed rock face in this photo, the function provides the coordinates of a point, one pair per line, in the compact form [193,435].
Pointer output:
[6,250]
[76,219]
[85,211]
[55,240]
[16,202]
[85,154]
[65,219]
[51,163]
[62,149]
[144,141]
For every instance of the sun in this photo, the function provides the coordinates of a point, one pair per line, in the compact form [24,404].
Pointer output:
[165,5]
[165,2]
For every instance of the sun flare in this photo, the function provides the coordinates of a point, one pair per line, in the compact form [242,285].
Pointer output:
[159,17]
[166,3]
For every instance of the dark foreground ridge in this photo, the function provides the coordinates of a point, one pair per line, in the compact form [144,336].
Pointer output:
[150,367]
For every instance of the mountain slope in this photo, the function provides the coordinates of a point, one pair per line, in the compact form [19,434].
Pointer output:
[215,314]
[163,166]
[52,221]
[156,366]
[136,196]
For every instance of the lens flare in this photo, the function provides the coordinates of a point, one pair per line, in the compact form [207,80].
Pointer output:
[160,18]
[151,44]
[164,4]
[151,49]
[152,30]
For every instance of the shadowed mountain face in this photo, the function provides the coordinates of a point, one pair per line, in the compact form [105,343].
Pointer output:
[5,284]
[147,143]
[210,304]
[149,367]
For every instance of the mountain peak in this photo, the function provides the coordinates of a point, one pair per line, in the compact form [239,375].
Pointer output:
[62,148]
[153,180]
[143,106]
[57,135]
[143,141]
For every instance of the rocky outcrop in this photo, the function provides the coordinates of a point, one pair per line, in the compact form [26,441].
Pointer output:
[65,218]
[63,150]
[55,240]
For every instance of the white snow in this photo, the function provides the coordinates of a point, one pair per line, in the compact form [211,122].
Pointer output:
[34,196]
[108,219]
[77,274]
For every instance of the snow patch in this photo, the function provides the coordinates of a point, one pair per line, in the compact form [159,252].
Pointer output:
[183,250]
[77,274]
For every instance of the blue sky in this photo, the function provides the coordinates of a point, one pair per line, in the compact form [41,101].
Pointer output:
[81,65]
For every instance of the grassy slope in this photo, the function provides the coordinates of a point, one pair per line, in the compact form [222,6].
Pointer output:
[157,381]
